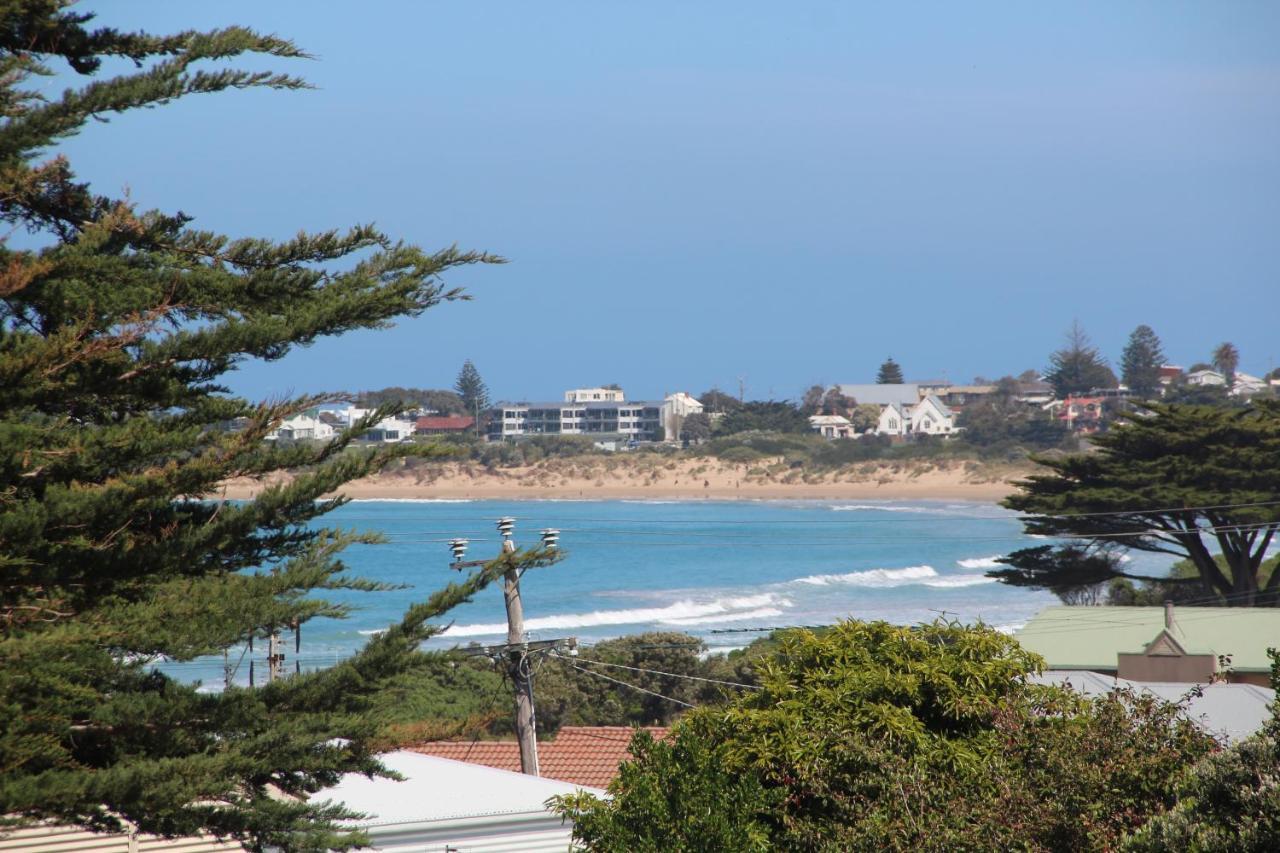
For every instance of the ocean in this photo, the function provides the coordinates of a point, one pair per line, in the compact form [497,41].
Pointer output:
[721,571]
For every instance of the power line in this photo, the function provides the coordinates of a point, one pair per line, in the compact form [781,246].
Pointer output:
[672,674]
[621,683]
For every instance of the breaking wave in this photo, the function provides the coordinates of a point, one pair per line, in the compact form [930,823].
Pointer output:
[680,613]
[888,578]
[886,508]
[411,501]
[980,563]
[873,577]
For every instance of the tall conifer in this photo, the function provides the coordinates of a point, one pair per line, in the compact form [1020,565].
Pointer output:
[116,328]
[1140,363]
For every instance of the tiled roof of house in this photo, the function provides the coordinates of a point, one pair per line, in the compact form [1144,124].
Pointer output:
[583,755]
[445,422]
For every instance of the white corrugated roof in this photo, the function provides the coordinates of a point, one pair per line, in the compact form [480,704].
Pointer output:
[442,789]
[1231,711]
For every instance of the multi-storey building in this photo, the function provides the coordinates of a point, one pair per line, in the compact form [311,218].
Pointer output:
[579,414]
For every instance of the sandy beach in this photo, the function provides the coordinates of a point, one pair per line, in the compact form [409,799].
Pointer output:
[597,478]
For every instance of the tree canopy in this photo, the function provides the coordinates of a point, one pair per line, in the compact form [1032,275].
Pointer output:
[1226,358]
[889,373]
[869,736]
[1078,367]
[1141,361]
[1180,480]
[117,326]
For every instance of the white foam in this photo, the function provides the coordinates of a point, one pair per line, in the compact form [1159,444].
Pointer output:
[980,563]
[873,577]
[758,613]
[715,609]
[374,632]
[957,581]
[652,502]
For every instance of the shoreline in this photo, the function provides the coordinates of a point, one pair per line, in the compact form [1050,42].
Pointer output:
[684,482]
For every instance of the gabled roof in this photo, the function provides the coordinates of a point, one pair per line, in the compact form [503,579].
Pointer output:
[583,755]
[1092,637]
[938,404]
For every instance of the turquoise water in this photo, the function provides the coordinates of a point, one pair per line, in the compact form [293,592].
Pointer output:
[718,570]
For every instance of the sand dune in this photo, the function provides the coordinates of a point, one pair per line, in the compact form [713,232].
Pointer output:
[657,477]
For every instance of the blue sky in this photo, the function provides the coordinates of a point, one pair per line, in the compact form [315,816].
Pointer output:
[693,193]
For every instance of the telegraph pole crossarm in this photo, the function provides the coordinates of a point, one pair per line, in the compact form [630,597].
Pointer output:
[516,651]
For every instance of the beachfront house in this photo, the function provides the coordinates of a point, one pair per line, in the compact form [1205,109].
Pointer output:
[931,417]
[675,408]
[304,427]
[617,421]
[832,426]
[894,420]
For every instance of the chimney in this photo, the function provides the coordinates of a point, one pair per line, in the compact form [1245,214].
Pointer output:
[1168,615]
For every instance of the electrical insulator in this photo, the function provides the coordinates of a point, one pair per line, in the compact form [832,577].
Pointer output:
[505,526]
[459,549]
[550,538]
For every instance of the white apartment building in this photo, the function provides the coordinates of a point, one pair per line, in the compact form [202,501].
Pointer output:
[594,395]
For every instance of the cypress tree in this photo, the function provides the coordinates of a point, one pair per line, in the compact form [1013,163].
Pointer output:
[115,332]
[1186,481]
[1140,363]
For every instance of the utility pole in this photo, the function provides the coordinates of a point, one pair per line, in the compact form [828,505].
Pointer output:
[516,650]
[517,658]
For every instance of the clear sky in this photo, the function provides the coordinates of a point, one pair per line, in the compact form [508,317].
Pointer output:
[690,193]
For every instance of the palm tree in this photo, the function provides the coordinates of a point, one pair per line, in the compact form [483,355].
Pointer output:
[1226,358]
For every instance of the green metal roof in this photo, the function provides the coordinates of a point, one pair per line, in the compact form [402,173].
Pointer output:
[1091,637]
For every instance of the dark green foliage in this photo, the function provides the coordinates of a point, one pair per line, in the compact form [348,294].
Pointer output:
[431,399]
[999,420]
[1078,367]
[1122,592]
[889,373]
[1202,395]
[695,427]
[114,337]
[870,736]
[1229,802]
[567,696]
[1176,481]
[471,389]
[1140,363]
[762,416]
[716,400]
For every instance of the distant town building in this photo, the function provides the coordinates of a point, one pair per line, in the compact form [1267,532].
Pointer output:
[675,408]
[594,395]
[1206,377]
[929,416]
[1169,374]
[443,424]
[1081,414]
[832,426]
[629,421]
[305,427]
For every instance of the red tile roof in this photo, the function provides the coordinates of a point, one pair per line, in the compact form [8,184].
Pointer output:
[583,755]
[445,422]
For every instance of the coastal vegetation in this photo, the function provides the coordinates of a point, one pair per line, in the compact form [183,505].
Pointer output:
[118,327]
[874,736]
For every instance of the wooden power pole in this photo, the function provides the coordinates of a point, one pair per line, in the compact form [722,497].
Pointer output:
[516,651]
[518,658]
